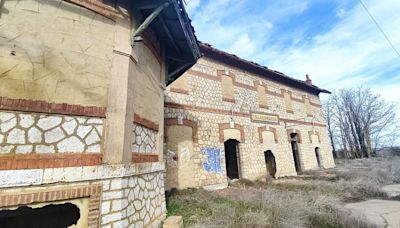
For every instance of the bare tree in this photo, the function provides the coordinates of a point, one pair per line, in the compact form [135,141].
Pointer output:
[361,120]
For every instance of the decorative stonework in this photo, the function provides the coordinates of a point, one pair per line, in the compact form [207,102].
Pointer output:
[133,201]
[26,133]
[144,140]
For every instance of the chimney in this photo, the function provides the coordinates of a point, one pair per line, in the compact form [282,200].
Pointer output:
[308,80]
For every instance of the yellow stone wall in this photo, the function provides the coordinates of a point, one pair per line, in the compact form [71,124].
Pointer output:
[56,52]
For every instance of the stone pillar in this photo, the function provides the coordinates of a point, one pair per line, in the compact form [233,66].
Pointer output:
[119,121]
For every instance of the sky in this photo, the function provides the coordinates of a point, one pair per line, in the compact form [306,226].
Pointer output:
[334,41]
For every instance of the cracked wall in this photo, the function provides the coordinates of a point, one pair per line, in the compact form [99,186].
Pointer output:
[65,61]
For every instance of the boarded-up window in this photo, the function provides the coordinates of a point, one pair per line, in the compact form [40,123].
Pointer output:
[288,102]
[307,106]
[180,85]
[227,88]
[262,96]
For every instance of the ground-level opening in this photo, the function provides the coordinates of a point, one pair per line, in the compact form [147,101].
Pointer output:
[295,151]
[231,158]
[49,216]
[317,156]
[270,163]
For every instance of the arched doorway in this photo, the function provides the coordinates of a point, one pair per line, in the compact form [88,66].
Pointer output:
[232,158]
[270,163]
[295,151]
[317,156]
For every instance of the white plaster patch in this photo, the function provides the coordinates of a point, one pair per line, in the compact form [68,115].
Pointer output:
[70,126]
[16,136]
[13,178]
[48,122]
[26,121]
[34,135]
[42,149]
[71,145]
[54,135]
[6,126]
[24,149]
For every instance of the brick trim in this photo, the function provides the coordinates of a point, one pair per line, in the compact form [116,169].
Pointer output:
[144,158]
[98,7]
[310,133]
[42,161]
[182,91]
[271,129]
[245,86]
[174,121]
[145,122]
[52,108]
[225,126]
[93,192]
[228,100]
[298,132]
[238,114]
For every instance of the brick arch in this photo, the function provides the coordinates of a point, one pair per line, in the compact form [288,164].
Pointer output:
[174,121]
[271,129]
[298,132]
[225,126]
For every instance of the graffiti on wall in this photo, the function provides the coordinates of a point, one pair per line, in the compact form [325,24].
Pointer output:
[213,163]
[178,160]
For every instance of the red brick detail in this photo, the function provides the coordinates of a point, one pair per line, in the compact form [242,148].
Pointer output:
[298,132]
[310,133]
[41,161]
[225,112]
[53,108]
[145,122]
[93,192]
[271,129]
[174,121]
[228,100]
[144,158]
[203,75]
[98,6]
[177,90]
[224,126]
[264,106]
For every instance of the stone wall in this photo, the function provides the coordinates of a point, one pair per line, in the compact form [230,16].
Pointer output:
[27,133]
[144,139]
[203,103]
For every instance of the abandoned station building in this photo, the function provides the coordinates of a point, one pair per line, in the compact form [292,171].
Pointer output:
[228,117]
[81,109]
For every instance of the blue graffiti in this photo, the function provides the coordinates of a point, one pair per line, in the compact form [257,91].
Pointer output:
[213,163]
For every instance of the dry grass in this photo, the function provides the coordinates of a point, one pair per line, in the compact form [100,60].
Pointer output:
[313,199]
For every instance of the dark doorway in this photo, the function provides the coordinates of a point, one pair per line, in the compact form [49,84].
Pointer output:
[317,156]
[49,216]
[231,158]
[295,150]
[270,163]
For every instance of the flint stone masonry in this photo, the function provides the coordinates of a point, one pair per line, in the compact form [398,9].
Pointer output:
[144,139]
[22,133]
[203,103]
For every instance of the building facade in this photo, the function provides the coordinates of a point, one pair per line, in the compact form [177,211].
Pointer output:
[81,109]
[228,117]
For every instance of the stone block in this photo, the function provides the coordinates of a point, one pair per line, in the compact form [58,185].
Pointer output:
[173,222]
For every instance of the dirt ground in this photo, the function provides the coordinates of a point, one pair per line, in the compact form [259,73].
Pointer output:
[312,199]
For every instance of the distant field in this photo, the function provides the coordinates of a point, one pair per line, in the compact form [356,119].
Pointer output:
[313,199]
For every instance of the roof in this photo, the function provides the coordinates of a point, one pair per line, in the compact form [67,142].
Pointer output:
[174,31]
[263,71]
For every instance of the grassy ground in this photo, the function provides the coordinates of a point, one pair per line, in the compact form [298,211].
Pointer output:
[313,199]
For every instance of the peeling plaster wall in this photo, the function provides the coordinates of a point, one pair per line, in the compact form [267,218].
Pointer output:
[56,52]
